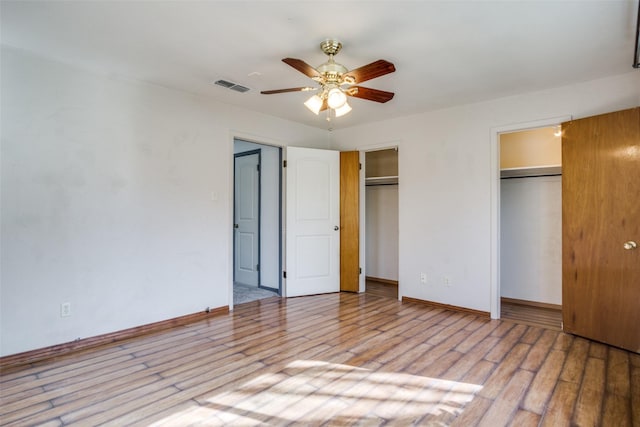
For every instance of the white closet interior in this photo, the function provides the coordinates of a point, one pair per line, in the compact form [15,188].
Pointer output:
[381,178]
[531,216]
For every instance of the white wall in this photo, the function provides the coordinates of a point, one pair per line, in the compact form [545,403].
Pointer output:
[531,239]
[269,211]
[382,231]
[446,171]
[107,185]
[107,200]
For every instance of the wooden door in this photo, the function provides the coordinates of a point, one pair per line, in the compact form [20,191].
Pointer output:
[349,221]
[600,215]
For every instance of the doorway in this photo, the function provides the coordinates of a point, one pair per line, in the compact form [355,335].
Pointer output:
[495,202]
[531,226]
[381,222]
[257,221]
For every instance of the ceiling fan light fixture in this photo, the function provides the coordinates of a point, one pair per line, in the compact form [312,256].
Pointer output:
[341,111]
[314,104]
[336,98]
[336,82]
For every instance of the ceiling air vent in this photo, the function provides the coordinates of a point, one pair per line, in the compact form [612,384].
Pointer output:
[232,86]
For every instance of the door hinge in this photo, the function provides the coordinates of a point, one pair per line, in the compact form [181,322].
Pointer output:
[284,163]
[284,274]
[257,267]
[360,270]
[360,166]
[258,168]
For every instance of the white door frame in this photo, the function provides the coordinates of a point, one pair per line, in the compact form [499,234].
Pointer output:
[495,201]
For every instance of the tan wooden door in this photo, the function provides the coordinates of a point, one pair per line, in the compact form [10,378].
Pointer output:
[600,219]
[350,221]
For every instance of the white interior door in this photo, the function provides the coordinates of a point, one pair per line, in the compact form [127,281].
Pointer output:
[247,219]
[313,219]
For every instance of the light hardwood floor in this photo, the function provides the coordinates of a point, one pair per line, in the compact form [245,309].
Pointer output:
[544,317]
[374,287]
[336,359]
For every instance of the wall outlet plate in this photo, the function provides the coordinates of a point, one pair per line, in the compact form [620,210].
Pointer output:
[65,309]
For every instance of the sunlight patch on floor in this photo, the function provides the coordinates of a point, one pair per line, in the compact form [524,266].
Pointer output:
[312,392]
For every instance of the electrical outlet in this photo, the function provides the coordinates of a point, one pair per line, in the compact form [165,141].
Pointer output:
[423,277]
[65,309]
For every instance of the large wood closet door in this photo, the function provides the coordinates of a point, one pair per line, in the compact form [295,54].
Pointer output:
[600,216]
[350,221]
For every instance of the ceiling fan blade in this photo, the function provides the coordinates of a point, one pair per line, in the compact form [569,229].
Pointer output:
[303,67]
[369,94]
[371,71]
[291,89]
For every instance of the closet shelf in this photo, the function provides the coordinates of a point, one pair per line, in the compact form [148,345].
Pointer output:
[531,171]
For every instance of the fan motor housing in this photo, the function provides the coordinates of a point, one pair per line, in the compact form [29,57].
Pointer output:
[332,71]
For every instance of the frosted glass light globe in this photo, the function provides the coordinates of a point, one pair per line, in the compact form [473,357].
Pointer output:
[336,98]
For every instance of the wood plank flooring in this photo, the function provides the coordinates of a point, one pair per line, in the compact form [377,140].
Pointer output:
[543,317]
[336,359]
[373,287]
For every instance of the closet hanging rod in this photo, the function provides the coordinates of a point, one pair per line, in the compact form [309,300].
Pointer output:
[381,180]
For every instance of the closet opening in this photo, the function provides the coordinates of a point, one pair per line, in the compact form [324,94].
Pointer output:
[381,222]
[531,226]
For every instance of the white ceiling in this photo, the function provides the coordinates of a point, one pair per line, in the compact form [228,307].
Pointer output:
[446,53]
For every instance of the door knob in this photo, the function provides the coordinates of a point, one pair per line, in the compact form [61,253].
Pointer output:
[630,245]
[336,228]
[235,226]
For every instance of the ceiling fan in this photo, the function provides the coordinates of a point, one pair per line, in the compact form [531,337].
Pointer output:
[337,82]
